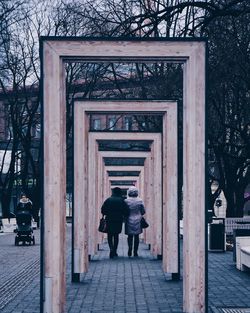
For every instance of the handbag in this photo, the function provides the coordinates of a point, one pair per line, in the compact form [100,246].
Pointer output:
[103,225]
[144,223]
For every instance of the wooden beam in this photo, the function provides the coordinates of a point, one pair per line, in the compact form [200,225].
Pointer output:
[124,168]
[103,50]
[124,178]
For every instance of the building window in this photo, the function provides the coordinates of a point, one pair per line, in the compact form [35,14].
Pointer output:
[112,123]
[128,123]
[96,124]
[37,131]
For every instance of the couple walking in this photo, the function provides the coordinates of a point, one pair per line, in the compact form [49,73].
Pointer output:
[117,210]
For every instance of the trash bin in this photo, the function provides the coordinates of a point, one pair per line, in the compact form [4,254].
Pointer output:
[217,237]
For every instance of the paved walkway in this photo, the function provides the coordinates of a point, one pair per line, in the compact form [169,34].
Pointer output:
[131,285]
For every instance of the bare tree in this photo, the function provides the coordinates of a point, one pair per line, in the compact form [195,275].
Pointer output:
[228,93]
[19,82]
[226,24]
[229,115]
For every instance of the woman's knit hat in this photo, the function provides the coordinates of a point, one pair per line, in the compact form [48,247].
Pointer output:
[133,192]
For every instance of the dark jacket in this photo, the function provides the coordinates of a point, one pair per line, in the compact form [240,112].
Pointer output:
[25,206]
[116,210]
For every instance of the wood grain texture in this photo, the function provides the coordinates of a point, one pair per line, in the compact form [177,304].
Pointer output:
[124,154]
[91,203]
[54,182]
[132,50]
[80,192]
[99,187]
[124,179]
[124,168]
[170,191]
[192,53]
[194,284]
[148,199]
[149,106]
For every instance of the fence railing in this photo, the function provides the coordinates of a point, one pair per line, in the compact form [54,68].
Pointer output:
[232,223]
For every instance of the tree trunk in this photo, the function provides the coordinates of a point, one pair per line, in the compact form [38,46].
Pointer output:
[239,195]
[5,201]
[230,196]
[36,199]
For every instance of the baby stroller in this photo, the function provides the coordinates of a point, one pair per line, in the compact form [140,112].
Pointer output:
[24,231]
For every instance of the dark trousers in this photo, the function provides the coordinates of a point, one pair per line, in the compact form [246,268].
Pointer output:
[132,238]
[113,240]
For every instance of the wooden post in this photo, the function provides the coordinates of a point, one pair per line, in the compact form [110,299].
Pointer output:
[99,194]
[194,226]
[157,210]
[92,193]
[80,195]
[54,183]
[170,190]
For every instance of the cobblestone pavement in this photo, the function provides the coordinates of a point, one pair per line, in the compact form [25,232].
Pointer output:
[19,275]
[121,285]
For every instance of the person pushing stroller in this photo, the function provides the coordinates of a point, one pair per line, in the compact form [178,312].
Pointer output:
[24,221]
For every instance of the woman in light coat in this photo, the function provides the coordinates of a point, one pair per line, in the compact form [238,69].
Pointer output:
[133,222]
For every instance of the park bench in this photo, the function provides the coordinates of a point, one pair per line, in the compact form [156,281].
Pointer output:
[235,223]
[242,253]
[245,257]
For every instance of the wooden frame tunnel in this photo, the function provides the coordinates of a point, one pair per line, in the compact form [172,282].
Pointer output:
[94,202]
[156,242]
[54,53]
[168,109]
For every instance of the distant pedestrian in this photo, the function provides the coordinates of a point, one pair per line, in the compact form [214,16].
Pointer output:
[25,204]
[116,210]
[133,223]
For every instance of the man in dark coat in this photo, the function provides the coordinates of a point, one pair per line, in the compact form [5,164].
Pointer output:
[116,210]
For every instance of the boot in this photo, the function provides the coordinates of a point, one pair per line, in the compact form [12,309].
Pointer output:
[130,243]
[136,245]
[111,254]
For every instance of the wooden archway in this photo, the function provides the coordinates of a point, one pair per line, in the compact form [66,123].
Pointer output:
[192,53]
